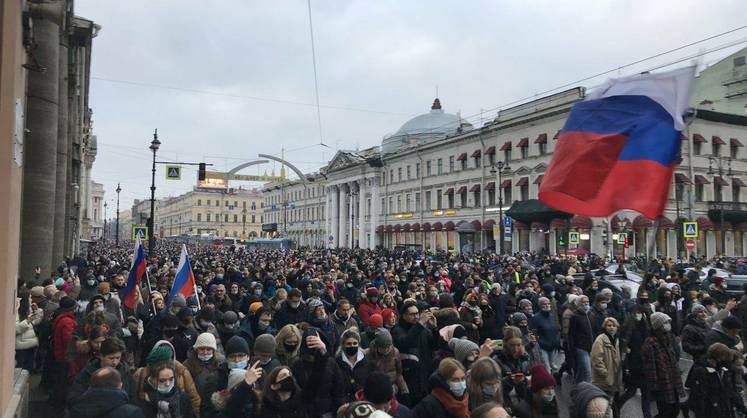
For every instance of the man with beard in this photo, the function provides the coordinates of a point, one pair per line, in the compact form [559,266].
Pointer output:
[318,318]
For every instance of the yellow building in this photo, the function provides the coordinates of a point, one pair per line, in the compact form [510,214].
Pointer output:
[225,213]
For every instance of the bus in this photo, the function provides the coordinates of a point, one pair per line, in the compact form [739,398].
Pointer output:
[270,244]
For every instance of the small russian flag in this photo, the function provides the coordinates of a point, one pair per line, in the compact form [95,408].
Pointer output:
[184,282]
[137,270]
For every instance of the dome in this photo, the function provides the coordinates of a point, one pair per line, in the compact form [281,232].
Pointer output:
[423,129]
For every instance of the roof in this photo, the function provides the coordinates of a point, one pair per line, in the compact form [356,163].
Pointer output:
[423,129]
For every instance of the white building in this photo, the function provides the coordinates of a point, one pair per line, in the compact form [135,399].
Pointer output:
[434,184]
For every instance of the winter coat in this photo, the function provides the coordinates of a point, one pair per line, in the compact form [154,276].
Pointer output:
[179,405]
[510,365]
[354,376]
[581,395]
[547,330]
[25,335]
[661,369]
[718,335]
[366,309]
[430,406]
[273,407]
[287,315]
[580,331]
[712,393]
[241,402]
[596,317]
[693,338]
[396,409]
[606,366]
[205,376]
[391,365]
[104,403]
[343,325]
[416,345]
[183,381]
[83,378]
[322,385]
[468,319]
[62,331]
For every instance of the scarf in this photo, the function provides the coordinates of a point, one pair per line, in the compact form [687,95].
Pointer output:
[455,407]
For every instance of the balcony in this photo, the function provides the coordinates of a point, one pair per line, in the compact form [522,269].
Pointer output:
[733,212]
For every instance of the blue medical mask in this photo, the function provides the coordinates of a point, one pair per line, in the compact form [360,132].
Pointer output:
[165,389]
[238,365]
[458,388]
[548,398]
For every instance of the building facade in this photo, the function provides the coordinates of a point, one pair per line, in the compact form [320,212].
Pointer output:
[722,87]
[438,182]
[296,209]
[228,213]
[93,217]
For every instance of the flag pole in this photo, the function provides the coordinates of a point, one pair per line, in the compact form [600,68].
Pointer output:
[153,304]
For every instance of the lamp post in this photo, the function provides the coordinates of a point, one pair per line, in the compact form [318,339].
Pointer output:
[116,239]
[722,163]
[104,234]
[154,145]
[499,168]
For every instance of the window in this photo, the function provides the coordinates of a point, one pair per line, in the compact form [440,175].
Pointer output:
[524,152]
[739,61]
[716,149]
[734,151]
[463,164]
[417,170]
[226,202]
[208,217]
[428,204]
[477,198]
[451,200]
[407,202]
[478,161]
[717,192]
[199,217]
[243,218]
[235,203]
[491,197]
[451,164]
[382,210]
[199,202]
[696,148]
[507,198]
[208,202]
[735,193]
[391,176]
[225,218]
[439,199]
[235,218]
[399,203]
[679,192]
[428,168]
[525,192]
[463,198]
[699,192]
[417,202]
[217,203]
[507,155]
[383,179]
[542,148]
[440,164]
[409,172]
[491,159]
[243,204]
[391,204]
[399,174]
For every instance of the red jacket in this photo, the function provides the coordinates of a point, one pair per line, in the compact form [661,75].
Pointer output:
[366,309]
[63,326]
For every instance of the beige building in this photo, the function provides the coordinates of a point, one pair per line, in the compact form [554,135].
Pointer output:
[229,213]
[92,226]
[302,217]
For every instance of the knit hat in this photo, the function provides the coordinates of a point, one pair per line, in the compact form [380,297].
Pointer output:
[376,321]
[236,344]
[192,301]
[358,409]
[37,292]
[235,376]
[516,318]
[462,348]
[169,320]
[95,298]
[229,317]
[697,308]
[207,340]
[265,343]
[658,319]
[50,290]
[103,288]
[179,301]
[383,338]
[313,304]
[59,282]
[378,388]
[731,322]
[372,292]
[254,307]
[159,354]
[541,378]
[67,303]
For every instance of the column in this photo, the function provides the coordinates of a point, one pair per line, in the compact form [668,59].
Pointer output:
[327,213]
[352,218]
[672,243]
[729,250]
[710,243]
[343,216]
[553,242]
[597,242]
[375,210]
[334,216]
[362,241]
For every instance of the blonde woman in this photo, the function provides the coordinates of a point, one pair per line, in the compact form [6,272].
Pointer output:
[288,344]
[484,383]
[606,364]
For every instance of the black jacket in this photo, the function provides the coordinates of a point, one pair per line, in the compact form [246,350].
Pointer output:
[82,379]
[293,407]
[718,335]
[354,377]
[415,341]
[430,406]
[287,315]
[580,331]
[693,338]
[104,403]
[322,385]
[712,393]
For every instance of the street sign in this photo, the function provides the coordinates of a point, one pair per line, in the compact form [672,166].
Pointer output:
[573,238]
[141,230]
[690,244]
[242,177]
[507,233]
[173,172]
[507,221]
[331,238]
[621,238]
[690,229]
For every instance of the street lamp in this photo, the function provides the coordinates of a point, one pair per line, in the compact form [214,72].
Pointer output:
[116,239]
[104,234]
[721,163]
[154,145]
[499,168]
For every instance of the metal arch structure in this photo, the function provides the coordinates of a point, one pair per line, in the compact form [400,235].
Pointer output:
[241,167]
[282,193]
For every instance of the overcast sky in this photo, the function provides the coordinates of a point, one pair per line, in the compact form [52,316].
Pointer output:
[225,80]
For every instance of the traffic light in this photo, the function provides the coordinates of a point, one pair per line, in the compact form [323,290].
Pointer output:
[201,172]
[561,241]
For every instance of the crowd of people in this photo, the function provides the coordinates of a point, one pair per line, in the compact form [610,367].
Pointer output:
[359,333]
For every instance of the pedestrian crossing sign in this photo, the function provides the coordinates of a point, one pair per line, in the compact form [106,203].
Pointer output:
[621,238]
[173,172]
[140,230]
[573,238]
[690,229]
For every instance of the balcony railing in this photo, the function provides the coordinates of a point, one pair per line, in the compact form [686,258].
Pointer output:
[727,206]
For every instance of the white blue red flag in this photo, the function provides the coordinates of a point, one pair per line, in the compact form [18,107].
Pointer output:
[184,282]
[619,147]
[137,270]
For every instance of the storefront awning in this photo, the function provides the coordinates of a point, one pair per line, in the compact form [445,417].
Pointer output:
[476,153]
[735,142]
[720,181]
[701,180]
[462,189]
[490,151]
[698,139]
[490,186]
[716,140]
[539,178]
[523,181]
[681,178]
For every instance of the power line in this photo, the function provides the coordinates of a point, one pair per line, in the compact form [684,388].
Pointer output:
[316,78]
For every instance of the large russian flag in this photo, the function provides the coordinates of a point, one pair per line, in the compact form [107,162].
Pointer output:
[137,270]
[618,149]
[184,282]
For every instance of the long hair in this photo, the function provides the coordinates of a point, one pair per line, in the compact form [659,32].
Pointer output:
[482,371]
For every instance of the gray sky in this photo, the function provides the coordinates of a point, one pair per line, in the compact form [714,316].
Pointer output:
[378,62]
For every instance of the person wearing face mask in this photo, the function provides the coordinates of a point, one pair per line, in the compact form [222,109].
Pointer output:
[318,318]
[514,363]
[227,326]
[580,339]
[186,334]
[633,334]
[725,332]
[292,311]
[352,362]
[259,323]
[598,313]
[465,351]
[693,334]
[470,316]
[606,363]
[384,357]
[318,376]
[713,390]
[161,397]
[237,358]
[484,383]
[547,330]
[660,365]
[163,353]
[288,344]
[281,396]
[88,287]
[543,402]
[264,353]
[448,397]
[203,363]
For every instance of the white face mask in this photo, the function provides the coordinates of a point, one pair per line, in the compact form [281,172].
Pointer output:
[458,388]
[667,327]
[638,317]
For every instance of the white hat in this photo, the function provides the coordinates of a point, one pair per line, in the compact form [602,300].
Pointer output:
[205,339]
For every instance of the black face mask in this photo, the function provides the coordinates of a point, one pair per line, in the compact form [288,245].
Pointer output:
[287,385]
[351,351]
[290,347]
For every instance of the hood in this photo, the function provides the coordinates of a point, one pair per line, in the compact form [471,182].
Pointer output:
[435,381]
[166,343]
[98,402]
[580,397]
